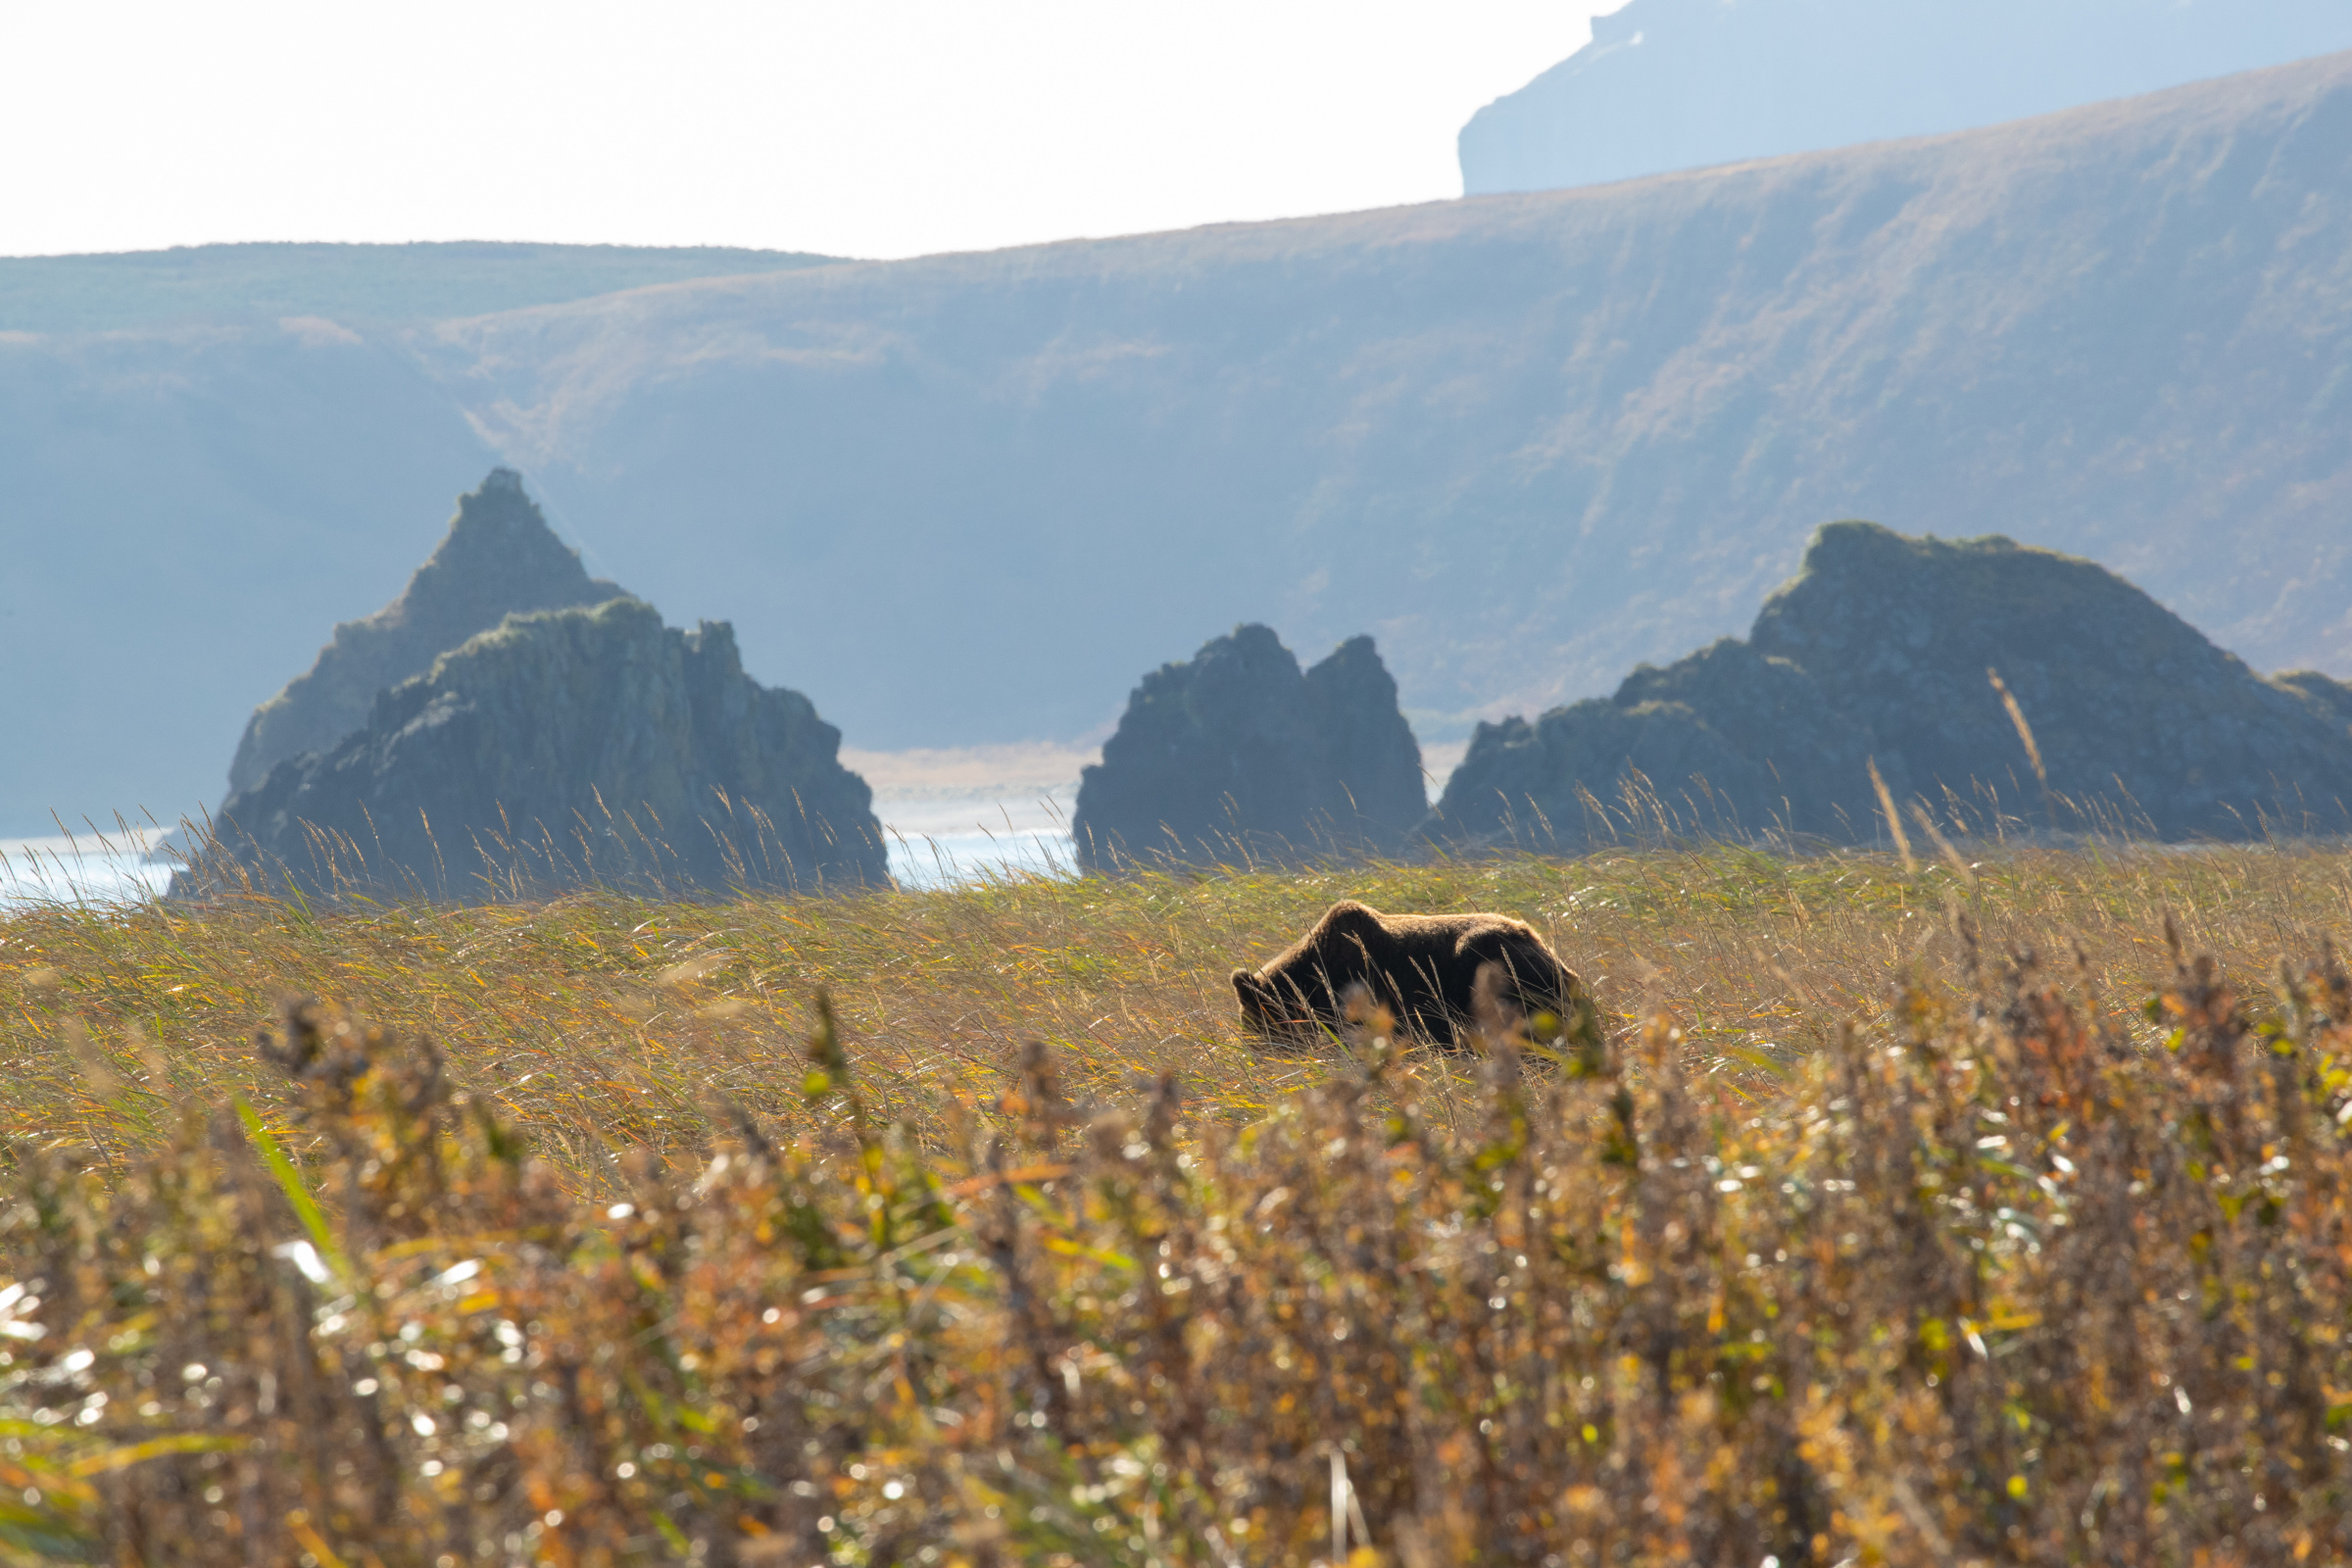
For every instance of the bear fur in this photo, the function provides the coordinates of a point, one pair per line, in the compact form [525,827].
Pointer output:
[1424,968]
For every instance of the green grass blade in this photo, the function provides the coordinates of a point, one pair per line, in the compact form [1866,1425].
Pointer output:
[289,1181]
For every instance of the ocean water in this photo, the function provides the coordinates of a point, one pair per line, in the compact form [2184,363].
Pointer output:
[943,839]
[85,868]
[936,839]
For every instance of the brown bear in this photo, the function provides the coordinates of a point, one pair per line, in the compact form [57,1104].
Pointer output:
[1424,968]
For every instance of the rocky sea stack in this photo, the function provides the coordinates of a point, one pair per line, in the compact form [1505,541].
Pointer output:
[498,559]
[1883,648]
[563,748]
[1238,752]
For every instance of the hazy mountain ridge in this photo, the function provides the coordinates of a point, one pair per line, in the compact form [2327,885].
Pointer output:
[1668,84]
[1527,442]
[187,515]
[360,284]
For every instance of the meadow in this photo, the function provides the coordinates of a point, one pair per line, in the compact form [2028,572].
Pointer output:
[1995,1208]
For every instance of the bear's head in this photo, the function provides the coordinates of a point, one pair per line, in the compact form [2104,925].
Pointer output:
[1261,1009]
[1271,1008]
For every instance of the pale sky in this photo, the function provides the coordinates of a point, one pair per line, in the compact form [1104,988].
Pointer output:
[858,128]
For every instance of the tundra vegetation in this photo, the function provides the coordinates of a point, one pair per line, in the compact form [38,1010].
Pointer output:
[1994,1209]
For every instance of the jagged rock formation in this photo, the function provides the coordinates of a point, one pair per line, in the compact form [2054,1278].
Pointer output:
[1881,648]
[1236,751]
[1733,742]
[1900,632]
[563,748]
[498,559]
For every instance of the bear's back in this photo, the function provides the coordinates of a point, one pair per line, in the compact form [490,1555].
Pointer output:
[1349,921]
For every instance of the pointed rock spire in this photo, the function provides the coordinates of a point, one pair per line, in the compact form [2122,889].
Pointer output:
[564,748]
[497,559]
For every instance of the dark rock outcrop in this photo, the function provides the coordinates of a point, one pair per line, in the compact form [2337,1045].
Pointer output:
[563,748]
[1731,742]
[1236,751]
[498,559]
[1882,647]
[1352,699]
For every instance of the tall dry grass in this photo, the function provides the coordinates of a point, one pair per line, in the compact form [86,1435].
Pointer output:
[1871,1237]
[599,1021]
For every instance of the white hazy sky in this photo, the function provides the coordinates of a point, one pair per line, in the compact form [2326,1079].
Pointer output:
[861,127]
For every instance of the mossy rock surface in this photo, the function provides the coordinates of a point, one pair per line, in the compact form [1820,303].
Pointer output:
[564,748]
[1897,652]
[499,557]
[1235,752]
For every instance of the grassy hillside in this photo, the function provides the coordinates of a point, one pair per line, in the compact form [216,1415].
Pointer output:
[355,284]
[1848,1230]
[1527,441]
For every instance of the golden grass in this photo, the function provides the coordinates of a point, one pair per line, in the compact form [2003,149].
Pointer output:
[1868,1240]
[598,1022]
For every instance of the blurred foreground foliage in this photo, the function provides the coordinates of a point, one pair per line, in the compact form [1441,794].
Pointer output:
[1997,1270]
